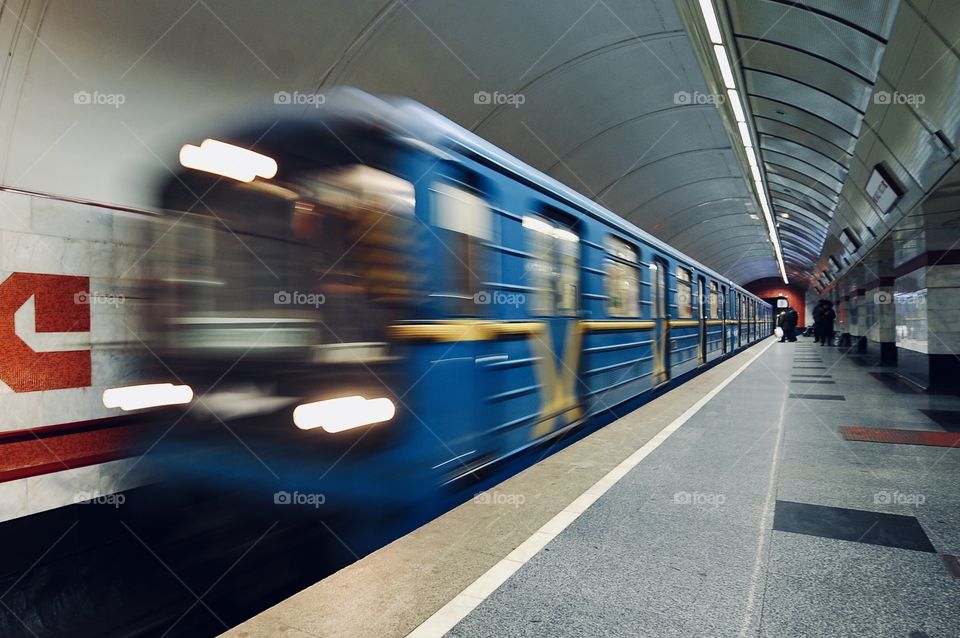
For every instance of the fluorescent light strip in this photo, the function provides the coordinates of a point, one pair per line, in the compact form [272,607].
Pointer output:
[734,98]
[710,17]
[726,72]
[744,134]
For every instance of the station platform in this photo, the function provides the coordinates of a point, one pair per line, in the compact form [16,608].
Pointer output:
[765,497]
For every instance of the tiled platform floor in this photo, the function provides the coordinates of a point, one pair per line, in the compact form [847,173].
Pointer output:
[756,518]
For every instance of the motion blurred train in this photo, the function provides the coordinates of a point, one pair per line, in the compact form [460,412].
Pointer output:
[365,297]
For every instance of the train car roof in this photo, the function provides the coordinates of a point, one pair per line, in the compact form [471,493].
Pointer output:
[434,127]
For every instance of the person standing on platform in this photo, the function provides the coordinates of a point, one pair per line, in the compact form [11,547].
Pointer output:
[825,322]
[818,322]
[790,324]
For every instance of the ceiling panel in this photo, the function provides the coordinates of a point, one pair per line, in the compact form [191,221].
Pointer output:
[795,26]
[810,69]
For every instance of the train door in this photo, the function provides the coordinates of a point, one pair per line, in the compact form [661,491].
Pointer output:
[735,313]
[740,324]
[702,312]
[723,318]
[661,337]
[554,276]
[732,319]
[755,311]
[460,214]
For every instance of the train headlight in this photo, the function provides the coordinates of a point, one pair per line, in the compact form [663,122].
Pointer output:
[344,413]
[151,395]
[220,158]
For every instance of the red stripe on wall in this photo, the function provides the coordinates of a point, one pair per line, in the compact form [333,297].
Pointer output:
[54,448]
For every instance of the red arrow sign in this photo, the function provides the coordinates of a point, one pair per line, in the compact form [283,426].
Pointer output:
[58,307]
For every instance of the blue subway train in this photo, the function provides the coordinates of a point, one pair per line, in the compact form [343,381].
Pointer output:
[366,297]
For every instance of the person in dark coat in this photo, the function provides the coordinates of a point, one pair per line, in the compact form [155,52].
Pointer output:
[823,322]
[790,324]
[817,323]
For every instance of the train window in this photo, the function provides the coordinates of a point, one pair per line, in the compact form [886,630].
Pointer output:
[464,223]
[554,267]
[341,236]
[457,209]
[684,294]
[714,308]
[623,279]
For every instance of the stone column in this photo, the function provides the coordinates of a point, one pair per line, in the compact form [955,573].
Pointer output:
[926,302]
[856,309]
[879,309]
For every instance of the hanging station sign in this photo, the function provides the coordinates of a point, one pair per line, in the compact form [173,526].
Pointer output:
[882,189]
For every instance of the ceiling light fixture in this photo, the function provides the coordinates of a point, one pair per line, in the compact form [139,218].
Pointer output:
[726,72]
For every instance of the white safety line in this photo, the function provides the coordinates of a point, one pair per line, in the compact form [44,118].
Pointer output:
[447,617]
[764,529]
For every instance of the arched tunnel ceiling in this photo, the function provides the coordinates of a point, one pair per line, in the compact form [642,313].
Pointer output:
[600,81]
[809,70]
[613,97]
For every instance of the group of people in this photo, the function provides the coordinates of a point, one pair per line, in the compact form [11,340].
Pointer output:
[823,318]
[787,322]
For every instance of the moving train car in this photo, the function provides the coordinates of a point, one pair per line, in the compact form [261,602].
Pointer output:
[366,297]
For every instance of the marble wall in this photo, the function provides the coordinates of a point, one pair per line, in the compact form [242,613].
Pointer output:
[70,304]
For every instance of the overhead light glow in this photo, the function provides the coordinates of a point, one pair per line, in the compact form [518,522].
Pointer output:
[220,158]
[152,395]
[344,413]
[721,54]
[710,18]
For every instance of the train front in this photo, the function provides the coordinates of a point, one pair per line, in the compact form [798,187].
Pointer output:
[284,257]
